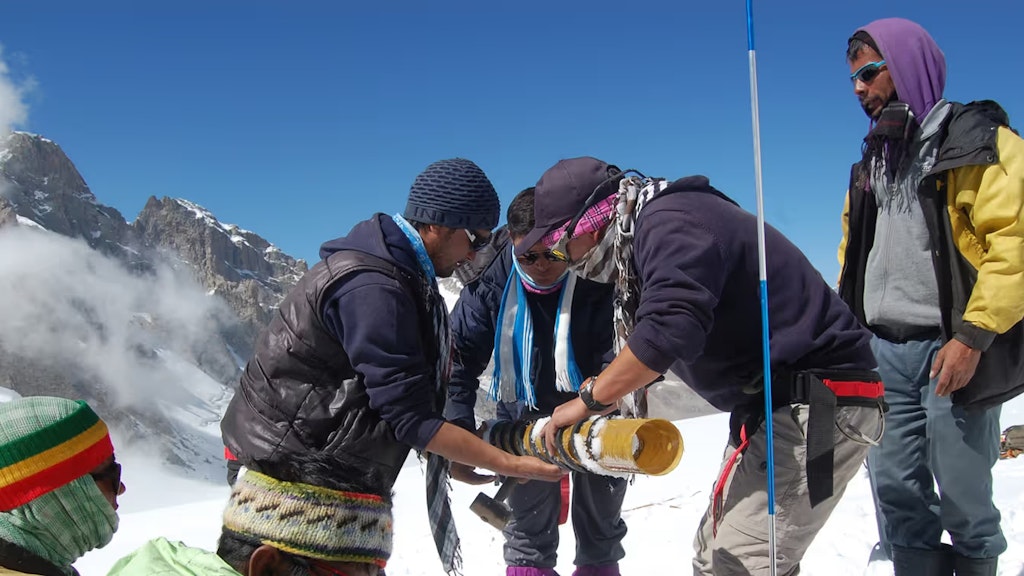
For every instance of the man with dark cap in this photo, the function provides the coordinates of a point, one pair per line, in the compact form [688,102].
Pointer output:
[683,258]
[547,329]
[933,264]
[356,359]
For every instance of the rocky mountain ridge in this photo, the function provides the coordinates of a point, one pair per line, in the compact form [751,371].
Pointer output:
[198,290]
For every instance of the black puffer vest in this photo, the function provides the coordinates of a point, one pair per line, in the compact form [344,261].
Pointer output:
[299,392]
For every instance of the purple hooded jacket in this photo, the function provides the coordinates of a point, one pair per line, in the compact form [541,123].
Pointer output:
[917,66]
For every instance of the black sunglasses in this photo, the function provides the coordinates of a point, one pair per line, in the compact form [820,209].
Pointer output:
[110,473]
[868,72]
[477,241]
[531,257]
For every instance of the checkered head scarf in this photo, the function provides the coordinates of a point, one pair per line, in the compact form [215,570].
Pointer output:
[49,504]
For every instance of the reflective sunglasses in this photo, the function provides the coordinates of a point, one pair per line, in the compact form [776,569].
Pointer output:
[110,473]
[477,241]
[531,258]
[868,72]
[560,250]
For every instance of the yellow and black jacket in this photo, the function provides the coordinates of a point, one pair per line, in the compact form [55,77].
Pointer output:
[973,203]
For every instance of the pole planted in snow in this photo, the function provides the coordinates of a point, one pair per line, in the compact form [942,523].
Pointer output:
[763,277]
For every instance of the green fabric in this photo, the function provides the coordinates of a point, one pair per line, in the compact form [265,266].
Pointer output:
[62,525]
[33,425]
[161,556]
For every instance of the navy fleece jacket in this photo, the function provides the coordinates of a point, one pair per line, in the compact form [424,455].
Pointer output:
[695,252]
[377,320]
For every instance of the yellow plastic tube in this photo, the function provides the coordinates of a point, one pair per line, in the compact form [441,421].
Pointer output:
[645,446]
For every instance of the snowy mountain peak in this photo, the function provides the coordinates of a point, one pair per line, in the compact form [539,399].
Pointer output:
[211,220]
[32,135]
[40,184]
[237,235]
[41,167]
[229,251]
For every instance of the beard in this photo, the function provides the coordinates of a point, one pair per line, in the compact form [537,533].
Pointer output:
[888,149]
[868,106]
[873,106]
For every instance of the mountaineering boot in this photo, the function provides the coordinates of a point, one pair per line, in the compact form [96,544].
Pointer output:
[605,570]
[913,562]
[964,566]
[529,571]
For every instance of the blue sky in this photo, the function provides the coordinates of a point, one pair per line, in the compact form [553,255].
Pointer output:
[298,122]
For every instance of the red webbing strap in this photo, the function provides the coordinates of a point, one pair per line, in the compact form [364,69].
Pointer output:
[563,508]
[717,498]
[857,389]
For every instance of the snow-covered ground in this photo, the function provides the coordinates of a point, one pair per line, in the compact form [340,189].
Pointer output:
[662,515]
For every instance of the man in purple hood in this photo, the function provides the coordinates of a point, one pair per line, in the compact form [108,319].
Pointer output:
[933,264]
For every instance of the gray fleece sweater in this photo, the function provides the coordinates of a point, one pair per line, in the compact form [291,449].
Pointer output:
[900,290]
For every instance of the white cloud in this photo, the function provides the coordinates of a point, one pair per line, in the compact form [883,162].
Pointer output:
[63,303]
[13,109]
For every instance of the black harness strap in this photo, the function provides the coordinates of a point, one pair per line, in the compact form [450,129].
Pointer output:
[809,387]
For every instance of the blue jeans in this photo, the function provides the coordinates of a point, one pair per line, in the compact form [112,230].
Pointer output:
[930,441]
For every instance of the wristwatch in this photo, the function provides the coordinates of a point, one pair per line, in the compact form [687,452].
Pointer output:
[587,395]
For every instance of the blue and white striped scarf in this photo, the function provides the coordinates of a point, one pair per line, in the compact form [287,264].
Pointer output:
[512,380]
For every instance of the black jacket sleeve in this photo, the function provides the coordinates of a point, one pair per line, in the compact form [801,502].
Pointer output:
[473,323]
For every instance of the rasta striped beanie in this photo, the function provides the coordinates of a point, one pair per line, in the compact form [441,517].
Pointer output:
[49,504]
[310,521]
[46,443]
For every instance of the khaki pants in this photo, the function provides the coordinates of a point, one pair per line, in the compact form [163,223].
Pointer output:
[740,546]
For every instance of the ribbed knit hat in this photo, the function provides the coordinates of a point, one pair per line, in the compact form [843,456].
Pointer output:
[46,443]
[454,193]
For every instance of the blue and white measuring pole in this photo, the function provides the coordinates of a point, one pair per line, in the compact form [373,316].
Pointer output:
[763,277]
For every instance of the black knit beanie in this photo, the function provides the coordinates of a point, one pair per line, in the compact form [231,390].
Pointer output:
[454,193]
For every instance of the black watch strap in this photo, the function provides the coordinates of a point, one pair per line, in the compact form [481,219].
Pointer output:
[587,395]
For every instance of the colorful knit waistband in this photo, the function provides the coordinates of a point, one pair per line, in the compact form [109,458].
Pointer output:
[310,521]
[52,456]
